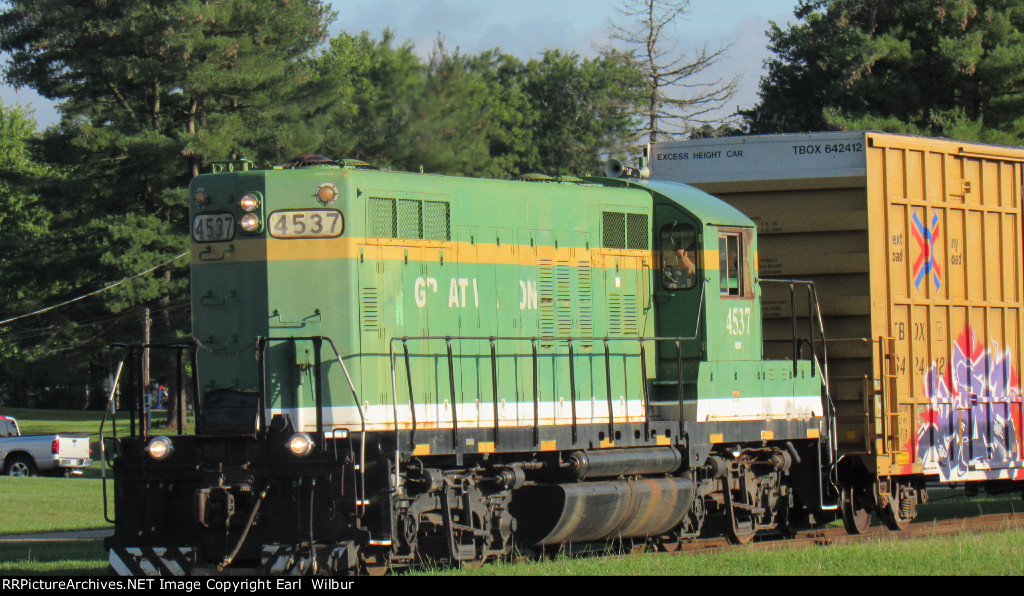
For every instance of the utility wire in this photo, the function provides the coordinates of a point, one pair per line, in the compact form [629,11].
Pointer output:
[29,333]
[93,293]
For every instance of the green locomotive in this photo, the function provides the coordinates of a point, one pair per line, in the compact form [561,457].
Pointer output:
[391,367]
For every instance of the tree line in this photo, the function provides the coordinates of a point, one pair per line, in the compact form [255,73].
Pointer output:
[947,68]
[151,92]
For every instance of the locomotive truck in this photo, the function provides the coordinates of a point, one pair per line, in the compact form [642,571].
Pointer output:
[390,367]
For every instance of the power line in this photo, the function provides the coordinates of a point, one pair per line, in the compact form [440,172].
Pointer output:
[25,334]
[93,293]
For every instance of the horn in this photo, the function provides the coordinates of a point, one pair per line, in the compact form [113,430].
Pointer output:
[614,169]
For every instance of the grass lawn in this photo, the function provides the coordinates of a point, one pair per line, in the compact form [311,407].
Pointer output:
[84,557]
[42,504]
[43,422]
[991,554]
[964,554]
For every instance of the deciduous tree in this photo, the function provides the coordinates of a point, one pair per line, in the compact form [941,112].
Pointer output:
[679,93]
[489,114]
[951,68]
[150,92]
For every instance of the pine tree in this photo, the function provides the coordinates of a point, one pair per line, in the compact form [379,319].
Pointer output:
[150,92]
[950,68]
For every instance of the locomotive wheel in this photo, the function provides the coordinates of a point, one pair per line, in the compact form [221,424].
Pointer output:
[740,536]
[856,517]
[901,508]
[666,546]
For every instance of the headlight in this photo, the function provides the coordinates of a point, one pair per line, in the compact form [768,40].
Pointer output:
[160,448]
[249,202]
[300,444]
[327,193]
[249,222]
[201,198]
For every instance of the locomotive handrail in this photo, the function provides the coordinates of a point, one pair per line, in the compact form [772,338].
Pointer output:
[814,312]
[129,350]
[103,422]
[138,402]
[813,309]
[569,341]
[317,341]
[318,396]
[492,340]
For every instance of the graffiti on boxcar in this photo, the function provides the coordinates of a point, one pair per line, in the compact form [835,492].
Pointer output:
[969,432]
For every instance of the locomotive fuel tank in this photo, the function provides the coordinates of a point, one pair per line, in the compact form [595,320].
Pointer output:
[606,509]
[601,510]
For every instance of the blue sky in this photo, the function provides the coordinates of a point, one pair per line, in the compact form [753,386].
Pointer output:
[528,27]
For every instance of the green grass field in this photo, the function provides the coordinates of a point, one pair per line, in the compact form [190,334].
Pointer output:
[41,504]
[41,422]
[964,554]
[84,557]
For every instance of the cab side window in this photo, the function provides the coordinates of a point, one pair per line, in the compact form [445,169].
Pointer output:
[731,264]
[678,257]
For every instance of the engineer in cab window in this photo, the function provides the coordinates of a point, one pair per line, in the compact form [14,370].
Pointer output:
[678,257]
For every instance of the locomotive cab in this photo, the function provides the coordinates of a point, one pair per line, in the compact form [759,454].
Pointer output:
[707,298]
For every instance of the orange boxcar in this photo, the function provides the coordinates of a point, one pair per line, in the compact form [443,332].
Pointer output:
[914,245]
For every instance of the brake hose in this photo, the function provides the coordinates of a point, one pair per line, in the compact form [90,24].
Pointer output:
[245,533]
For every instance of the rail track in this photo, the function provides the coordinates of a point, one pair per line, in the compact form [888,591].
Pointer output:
[828,536]
[825,536]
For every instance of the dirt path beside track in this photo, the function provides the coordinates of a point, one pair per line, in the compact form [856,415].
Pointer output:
[57,536]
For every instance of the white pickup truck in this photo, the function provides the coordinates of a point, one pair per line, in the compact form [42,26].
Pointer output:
[55,455]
